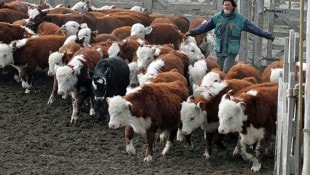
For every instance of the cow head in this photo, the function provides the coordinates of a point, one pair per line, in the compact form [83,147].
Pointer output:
[114,50]
[231,115]
[70,28]
[192,51]
[67,79]
[6,55]
[192,116]
[140,30]
[55,60]
[119,111]
[81,6]
[145,55]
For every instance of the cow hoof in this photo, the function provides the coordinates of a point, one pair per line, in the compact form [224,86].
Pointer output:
[235,151]
[74,119]
[27,91]
[256,168]
[50,100]
[148,158]
[131,149]
[92,111]
[207,155]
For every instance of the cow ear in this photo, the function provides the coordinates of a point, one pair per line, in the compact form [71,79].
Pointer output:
[190,99]
[129,105]
[148,30]
[227,96]
[90,73]
[242,107]
[230,93]
[201,105]
[107,72]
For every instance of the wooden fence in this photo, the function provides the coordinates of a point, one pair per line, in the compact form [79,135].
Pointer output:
[289,139]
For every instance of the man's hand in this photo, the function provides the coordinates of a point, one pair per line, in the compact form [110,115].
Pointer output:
[272,38]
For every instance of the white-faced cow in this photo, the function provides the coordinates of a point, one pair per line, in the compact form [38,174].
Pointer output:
[109,78]
[150,108]
[29,55]
[73,79]
[253,113]
[202,111]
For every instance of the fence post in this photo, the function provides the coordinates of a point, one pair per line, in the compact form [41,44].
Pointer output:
[148,4]
[257,43]
[244,10]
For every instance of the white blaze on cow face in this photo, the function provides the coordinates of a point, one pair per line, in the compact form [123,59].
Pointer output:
[210,78]
[192,51]
[67,79]
[145,55]
[70,28]
[231,115]
[6,55]
[33,12]
[120,115]
[85,33]
[192,117]
[114,50]
[140,30]
[197,71]
[54,62]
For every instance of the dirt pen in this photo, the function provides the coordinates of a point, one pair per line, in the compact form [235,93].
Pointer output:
[37,138]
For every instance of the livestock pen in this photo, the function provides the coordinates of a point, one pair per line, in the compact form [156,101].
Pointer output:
[276,16]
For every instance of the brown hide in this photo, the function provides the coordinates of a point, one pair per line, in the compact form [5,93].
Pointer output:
[170,76]
[242,70]
[48,28]
[19,6]
[180,21]
[9,15]
[10,32]
[105,37]
[122,32]
[164,34]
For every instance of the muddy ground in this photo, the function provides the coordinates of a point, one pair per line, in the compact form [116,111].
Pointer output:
[36,138]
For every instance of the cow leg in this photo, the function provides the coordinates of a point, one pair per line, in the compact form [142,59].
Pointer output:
[91,105]
[260,150]
[218,140]
[172,136]
[150,137]
[241,148]
[208,149]
[54,92]
[131,150]
[75,110]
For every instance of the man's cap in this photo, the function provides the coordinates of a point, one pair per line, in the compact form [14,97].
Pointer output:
[232,2]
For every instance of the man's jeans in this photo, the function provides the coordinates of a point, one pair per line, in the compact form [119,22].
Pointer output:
[225,62]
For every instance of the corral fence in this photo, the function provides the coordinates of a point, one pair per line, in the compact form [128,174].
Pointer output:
[277,16]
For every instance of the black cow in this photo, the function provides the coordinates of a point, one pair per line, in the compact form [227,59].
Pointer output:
[110,77]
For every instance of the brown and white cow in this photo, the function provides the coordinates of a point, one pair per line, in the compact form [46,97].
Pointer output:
[58,59]
[159,33]
[11,32]
[151,108]
[202,111]
[73,79]
[272,72]
[28,55]
[253,113]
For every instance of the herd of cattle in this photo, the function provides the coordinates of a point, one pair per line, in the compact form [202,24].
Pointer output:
[137,70]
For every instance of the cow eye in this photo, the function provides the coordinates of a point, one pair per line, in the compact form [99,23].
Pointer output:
[230,118]
[192,118]
[119,113]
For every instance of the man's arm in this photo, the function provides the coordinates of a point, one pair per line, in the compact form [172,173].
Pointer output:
[252,28]
[203,28]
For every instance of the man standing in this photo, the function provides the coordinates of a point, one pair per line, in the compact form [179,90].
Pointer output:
[228,25]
